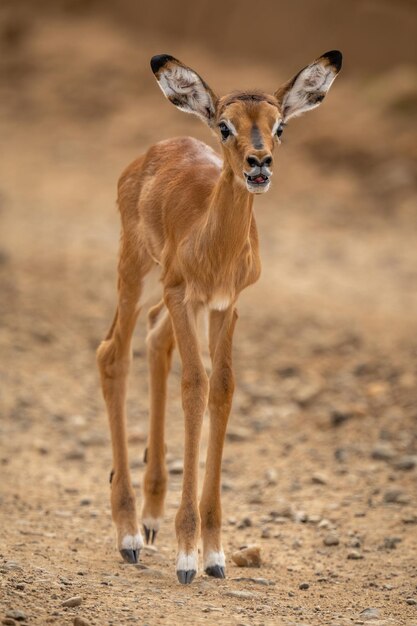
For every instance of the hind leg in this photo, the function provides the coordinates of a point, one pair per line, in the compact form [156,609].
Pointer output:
[114,356]
[160,343]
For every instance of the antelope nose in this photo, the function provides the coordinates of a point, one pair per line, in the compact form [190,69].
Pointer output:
[253,161]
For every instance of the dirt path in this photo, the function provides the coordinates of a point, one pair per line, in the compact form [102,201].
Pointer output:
[322,441]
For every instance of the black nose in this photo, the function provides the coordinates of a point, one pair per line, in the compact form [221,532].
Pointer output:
[254,161]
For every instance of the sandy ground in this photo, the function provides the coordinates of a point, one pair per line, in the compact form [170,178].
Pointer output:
[322,437]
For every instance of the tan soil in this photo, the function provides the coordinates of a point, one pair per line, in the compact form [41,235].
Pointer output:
[325,349]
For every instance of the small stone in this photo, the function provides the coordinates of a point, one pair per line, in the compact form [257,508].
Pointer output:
[319,479]
[396,496]
[78,421]
[307,393]
[151,573]
[382,452]
[80,621]
[369,614]
[377,389]
[176,467]
[331,539]
[411,601]
[271,476]
[266,533]
[407,462]
[300,517]
[149,549]
[303,586]
[324,523]
[354,555]
[248,557]
[256,581]
[17,615]
[246,522]
[242,595]
[140,566]
[238,434]
[338,417]
[74,601]
[76,454]
[137,436]
[314,519]
[283,508]
[12,565]
[85,501]
[390,543]
[355,543]
[8,621]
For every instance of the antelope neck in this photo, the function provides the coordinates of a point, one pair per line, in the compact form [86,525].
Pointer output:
[230,214]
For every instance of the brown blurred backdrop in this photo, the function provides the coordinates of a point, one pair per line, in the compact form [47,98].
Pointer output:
[326,344]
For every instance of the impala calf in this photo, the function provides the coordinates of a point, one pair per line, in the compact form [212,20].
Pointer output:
[187,212]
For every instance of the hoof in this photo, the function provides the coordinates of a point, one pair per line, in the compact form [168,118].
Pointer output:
[130,556]
[217,571]
[186,577]
[150,534]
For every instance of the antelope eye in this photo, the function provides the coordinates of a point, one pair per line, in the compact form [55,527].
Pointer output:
[225,131]
[280,129]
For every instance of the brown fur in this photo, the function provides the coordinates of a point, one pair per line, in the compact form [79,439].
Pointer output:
[192,215]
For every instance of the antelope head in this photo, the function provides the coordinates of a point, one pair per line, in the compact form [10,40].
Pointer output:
[249,124]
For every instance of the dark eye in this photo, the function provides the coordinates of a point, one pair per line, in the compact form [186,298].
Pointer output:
[225,131]
[280,129]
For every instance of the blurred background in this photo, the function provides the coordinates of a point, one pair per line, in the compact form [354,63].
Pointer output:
[326,345]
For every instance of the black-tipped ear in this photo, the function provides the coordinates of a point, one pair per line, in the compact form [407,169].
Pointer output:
[184,87]
[159,60]
[309,87]
[335,58]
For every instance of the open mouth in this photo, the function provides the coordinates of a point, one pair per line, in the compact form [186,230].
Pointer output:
[257,181]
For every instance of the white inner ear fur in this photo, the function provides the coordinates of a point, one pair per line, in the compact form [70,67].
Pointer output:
[313,80]
[186,86]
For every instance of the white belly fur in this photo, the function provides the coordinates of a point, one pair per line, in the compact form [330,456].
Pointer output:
[219,302]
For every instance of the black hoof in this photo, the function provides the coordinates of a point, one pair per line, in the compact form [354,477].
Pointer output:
[186,576]
[150,534]
[217,571]
[130,556]
[147,532]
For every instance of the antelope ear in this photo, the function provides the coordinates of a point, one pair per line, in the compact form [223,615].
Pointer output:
[308,88]
[184,87]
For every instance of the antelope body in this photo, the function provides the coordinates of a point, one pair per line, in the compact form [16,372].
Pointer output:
[189,212]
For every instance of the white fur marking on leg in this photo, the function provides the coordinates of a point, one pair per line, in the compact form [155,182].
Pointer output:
[187,562]
[132,542]
[214,558]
